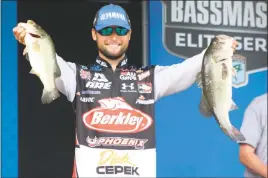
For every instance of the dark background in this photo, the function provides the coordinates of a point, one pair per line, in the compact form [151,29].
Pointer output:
[46,132]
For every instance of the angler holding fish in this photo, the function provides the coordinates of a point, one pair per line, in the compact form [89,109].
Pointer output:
[215,79]
[116,100]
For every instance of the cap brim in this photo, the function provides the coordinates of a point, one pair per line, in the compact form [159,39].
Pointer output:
[101,26]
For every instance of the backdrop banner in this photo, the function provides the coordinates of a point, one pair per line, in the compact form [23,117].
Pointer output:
[187,143]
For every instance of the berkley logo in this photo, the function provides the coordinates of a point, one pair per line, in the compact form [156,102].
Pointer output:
[116,116]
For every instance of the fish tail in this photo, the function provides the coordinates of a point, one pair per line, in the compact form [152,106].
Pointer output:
[49,96]
[235,134]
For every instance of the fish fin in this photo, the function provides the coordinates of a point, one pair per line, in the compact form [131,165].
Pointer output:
[49,96]
[57,72]
[204,108]
[34,73]
[27,56]
[199,80]
[31,22]
[235,134]
[233,106]
[25,51]
[36,46]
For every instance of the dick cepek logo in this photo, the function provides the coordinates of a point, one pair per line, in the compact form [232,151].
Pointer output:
[189,26]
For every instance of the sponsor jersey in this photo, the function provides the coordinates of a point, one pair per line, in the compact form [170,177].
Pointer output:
[115,130]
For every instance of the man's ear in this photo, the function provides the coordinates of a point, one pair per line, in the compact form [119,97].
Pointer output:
[94,35]
[129,36]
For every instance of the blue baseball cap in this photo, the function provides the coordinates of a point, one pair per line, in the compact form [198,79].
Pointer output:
[111,15]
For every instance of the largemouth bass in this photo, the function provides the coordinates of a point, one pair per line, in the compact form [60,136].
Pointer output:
[40,52]
[215,80]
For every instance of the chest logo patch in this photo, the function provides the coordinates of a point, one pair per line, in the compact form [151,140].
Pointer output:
[116,116]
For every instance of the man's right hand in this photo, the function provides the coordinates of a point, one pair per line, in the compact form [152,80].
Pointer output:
[20,32]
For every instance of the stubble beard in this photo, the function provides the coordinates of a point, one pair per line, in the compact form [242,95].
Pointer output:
[114,57]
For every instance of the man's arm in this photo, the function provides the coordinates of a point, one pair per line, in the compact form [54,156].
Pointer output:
[251,128]
[66,83]
[177,77]
[251,160]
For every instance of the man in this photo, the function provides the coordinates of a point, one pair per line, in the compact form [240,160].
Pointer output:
[253,153]
[114,102]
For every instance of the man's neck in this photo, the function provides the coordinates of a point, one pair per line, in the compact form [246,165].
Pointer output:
[112,62]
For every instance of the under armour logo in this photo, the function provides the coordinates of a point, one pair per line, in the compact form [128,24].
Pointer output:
[125,86]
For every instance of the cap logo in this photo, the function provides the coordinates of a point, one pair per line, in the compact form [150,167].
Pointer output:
[111,15]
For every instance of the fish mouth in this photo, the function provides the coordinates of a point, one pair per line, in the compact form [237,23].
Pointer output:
[35,35]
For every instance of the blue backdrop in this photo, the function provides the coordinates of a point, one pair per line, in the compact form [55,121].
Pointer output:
[9,111]
[187,143]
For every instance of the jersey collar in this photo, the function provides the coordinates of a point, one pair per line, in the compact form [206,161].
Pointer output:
[103,63]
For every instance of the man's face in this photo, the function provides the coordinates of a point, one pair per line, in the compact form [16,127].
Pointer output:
[112,46]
